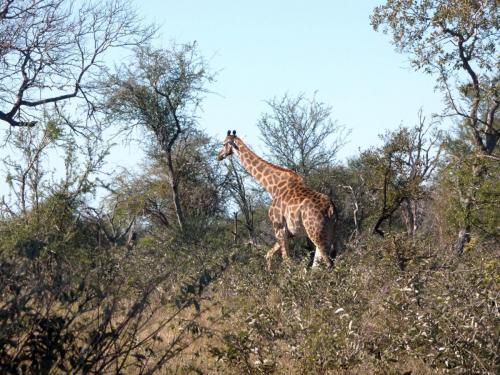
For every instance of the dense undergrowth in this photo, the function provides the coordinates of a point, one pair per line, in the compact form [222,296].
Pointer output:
[390,305]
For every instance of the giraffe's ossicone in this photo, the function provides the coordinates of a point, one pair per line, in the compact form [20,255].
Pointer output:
[294,206]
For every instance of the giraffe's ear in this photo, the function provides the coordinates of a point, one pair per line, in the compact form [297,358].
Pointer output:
[229,132]
[234,133]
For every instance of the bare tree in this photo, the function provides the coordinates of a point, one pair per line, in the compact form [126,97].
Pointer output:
[238,187]
[160,93]
[53,50]
[355,209]
[300,134]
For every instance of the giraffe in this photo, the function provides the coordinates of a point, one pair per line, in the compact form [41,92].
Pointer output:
[294,206]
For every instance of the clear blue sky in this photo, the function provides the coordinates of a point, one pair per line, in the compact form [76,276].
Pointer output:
[263,49]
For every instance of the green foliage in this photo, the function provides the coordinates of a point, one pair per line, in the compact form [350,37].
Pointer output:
[457,41]
[160,91]
[70,305]
[147,197]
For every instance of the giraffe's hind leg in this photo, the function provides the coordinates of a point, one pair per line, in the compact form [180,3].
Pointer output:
[322,240]
[321,254]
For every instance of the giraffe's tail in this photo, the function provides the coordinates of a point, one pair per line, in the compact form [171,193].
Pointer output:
[334,216]
[332,212]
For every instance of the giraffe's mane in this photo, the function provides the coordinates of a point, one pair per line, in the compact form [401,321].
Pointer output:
[283,169]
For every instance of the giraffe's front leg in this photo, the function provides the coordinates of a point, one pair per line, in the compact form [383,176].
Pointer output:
[281,244]
[282,236]
[270,254]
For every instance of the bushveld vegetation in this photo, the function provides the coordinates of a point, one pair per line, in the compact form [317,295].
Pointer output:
[152,272]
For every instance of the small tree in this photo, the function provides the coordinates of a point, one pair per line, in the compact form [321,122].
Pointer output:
[397,174]
[30,181]
[144,200]
[299,133]
[160,93]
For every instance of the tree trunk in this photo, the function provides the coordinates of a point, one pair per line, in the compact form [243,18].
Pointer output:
[468,203]
[407,216]
[463,239]
[414,212]
[243,203]
[235,228]
[410,216]
[174,184]
[177,205]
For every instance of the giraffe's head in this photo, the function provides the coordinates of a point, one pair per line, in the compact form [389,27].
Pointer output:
[228,146]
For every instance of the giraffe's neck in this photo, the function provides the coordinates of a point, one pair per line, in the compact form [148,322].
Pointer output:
[272,177]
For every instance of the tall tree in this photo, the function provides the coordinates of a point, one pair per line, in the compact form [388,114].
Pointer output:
[52,51]
[300,133]
[457,41]
[160,92]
